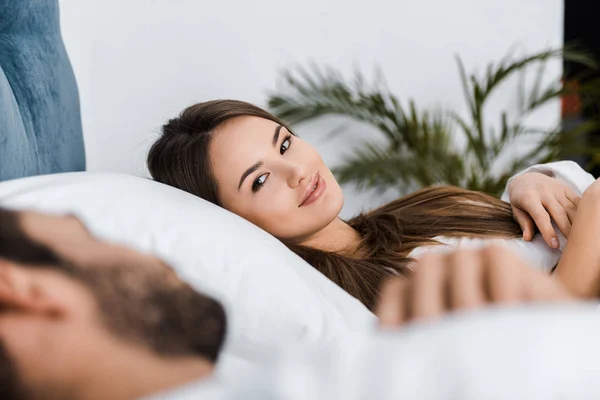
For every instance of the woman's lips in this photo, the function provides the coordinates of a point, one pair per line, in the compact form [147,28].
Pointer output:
[316,193]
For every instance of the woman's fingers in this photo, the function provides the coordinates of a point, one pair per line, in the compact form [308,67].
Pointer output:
[572,197]
[569,201]
[559,214]
[543,222]
[525,222]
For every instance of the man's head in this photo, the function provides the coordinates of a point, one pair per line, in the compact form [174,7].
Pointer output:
[72,305]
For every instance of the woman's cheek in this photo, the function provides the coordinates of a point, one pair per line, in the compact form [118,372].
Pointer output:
[269,206]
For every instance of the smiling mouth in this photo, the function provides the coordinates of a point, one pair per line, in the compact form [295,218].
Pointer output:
[315,192]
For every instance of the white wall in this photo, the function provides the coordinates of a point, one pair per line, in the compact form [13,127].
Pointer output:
[139,62]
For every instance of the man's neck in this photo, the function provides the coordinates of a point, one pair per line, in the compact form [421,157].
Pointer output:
[134,376]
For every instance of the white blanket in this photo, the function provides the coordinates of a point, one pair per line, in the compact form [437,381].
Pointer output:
[534,353]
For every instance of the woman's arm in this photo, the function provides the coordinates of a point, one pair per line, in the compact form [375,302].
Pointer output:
[579,266]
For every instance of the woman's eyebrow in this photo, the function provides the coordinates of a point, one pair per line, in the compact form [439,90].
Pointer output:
[248,172]
[260,163]
[276,135]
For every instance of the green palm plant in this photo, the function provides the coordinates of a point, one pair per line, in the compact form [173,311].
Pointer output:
[419,147]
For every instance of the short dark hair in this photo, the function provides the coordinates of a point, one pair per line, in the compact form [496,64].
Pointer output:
[137,302]
[17,247]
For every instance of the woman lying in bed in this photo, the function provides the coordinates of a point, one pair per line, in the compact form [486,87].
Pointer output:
[246,160]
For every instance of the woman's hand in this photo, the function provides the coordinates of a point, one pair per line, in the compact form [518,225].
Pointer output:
[536,200]
[462,280]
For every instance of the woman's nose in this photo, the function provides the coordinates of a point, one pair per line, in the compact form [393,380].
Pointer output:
[295,173]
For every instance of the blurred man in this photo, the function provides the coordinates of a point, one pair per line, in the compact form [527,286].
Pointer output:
[85,319]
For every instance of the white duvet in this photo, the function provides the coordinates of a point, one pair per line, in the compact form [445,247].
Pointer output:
[535,353]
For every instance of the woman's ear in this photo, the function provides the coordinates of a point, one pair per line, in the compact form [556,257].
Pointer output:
[18,293]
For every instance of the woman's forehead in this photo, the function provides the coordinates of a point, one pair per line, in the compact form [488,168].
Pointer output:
[241,142]
[247,129]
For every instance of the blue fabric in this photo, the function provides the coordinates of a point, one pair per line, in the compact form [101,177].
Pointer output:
[40,121]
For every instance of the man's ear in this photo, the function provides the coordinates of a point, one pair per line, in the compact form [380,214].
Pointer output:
[19,294]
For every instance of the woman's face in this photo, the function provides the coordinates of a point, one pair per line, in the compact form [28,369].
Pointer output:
[273,179]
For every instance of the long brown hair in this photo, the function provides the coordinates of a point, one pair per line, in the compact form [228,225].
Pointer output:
[389,233]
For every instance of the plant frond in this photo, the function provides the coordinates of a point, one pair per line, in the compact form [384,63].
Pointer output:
[419,147]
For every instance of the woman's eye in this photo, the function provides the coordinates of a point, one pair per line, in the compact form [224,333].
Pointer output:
[285,145]
[258,182]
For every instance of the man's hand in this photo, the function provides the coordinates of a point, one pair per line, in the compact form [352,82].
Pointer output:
[536,200]
[464,280]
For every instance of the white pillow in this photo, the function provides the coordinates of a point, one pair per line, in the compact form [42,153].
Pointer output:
[272,297]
